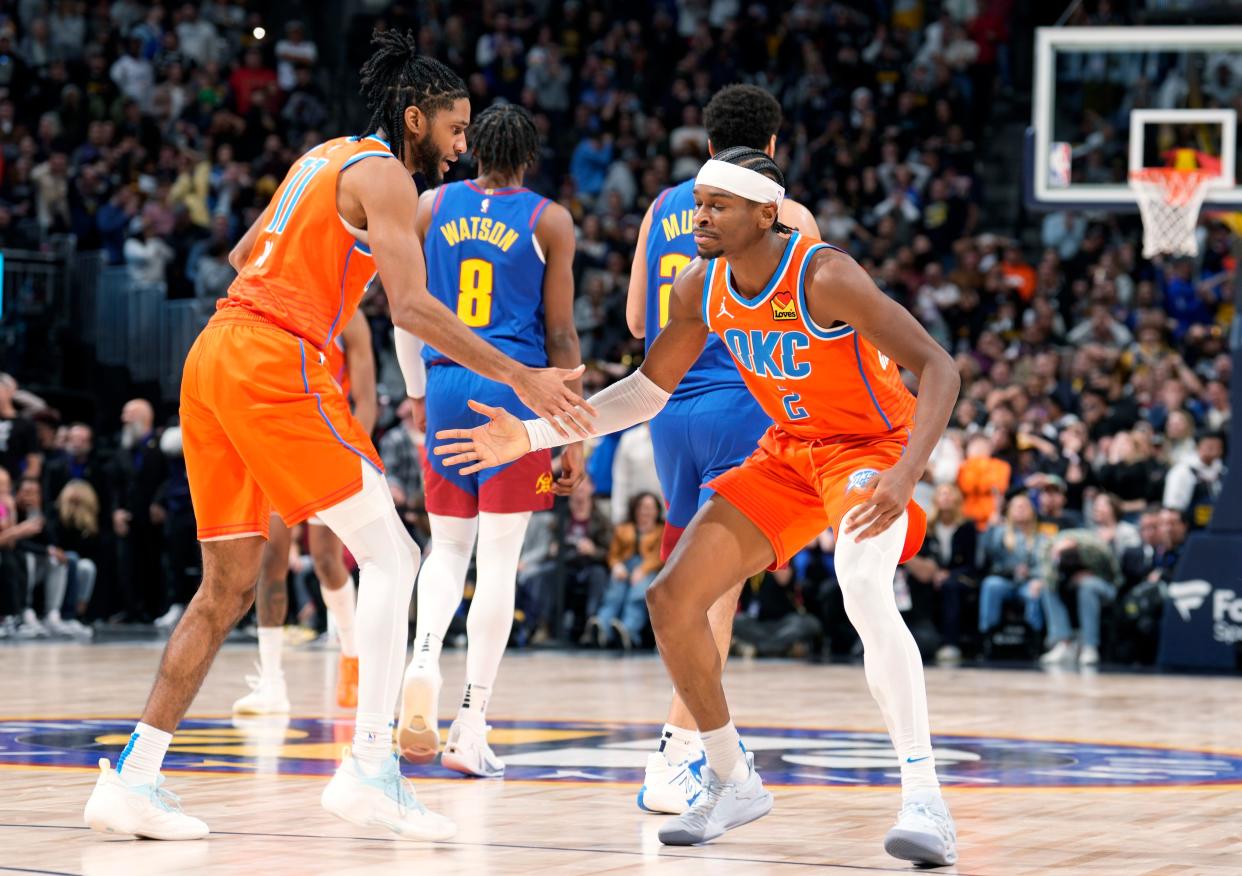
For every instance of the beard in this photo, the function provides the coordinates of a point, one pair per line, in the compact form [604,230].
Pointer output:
[427,156]
[705,253]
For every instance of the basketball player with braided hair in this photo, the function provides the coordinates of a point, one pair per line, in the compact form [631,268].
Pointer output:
[712,422]
[819,347]
[502,257]
[265,426]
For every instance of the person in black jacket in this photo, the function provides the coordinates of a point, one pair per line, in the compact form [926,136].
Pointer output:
[944,571]
[78,461]
[138,468]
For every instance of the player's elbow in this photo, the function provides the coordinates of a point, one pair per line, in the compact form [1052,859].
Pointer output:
[636,323]
[408,311]
[562,341]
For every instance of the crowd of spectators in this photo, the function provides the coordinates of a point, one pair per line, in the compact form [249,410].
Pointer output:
[1091,432]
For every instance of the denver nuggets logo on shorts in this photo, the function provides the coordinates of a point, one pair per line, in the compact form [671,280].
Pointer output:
[860,479]
[543,483]
[783,306]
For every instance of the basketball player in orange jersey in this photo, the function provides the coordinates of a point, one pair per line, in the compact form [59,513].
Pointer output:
[818,345]
[352,364]
[265,426]
[712,422]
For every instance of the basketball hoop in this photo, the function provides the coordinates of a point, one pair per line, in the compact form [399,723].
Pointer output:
[1169,200]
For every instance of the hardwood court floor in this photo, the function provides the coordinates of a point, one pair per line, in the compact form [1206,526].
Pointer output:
[1105,797]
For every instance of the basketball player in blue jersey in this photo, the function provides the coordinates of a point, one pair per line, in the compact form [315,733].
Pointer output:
[501,256]
[712,422]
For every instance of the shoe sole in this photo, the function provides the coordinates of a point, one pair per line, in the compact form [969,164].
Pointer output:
[909,846]
[452,760]
[417,738]
[246,710]
[682,838]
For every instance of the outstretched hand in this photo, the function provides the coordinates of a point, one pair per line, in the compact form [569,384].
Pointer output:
[544,391]
[502,439]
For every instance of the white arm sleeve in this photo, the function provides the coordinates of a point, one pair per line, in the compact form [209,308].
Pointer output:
[410,360]
[628,402]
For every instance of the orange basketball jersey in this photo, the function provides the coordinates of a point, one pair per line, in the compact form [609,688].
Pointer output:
[307,272]
[813,382]
[335,360]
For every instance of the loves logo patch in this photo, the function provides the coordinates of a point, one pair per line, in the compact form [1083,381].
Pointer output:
[783,306]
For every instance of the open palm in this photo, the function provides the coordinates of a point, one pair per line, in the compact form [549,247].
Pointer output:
[502,439]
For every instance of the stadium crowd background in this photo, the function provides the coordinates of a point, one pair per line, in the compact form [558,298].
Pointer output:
[1095,406]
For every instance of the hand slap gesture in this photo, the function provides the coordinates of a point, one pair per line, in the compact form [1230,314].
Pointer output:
[543,390]
[502,439]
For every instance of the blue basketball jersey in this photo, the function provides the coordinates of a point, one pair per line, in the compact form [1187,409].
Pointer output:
[483,262]
[670,247]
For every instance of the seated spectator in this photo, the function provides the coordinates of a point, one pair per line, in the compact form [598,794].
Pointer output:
[1194,485]
[633,560]
[944,568]
[1053,515]
[33,553]
[1080,570]
[569,579]
[13,530]
[1011,553]
[1107,524]
[773,622]
[983,480]
[73,534]
[1144,575]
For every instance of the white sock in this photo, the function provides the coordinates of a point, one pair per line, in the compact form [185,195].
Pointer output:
[372,740]
[678,744]
[271,643]
[139,763]
[340,605]
[440,585]
[369,526]
[724,753]
[491,610]
[427,653]
[891,658]
[474,705]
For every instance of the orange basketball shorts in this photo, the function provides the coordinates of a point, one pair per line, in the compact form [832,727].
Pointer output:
[793,489]
[264,425]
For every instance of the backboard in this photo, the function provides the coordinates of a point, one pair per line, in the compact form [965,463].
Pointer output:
[1109,100]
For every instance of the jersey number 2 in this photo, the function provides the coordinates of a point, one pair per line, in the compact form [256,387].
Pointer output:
[794,410]
[474,303]
[670,266]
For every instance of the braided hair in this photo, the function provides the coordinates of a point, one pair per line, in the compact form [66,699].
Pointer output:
[760,162]
[396,76]
[505,139]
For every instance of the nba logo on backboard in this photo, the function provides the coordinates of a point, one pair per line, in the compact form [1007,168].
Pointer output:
[1059,158]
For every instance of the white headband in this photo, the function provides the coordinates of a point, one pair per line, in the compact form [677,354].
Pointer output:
[740,181]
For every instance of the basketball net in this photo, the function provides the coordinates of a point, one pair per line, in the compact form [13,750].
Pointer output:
[1169,200]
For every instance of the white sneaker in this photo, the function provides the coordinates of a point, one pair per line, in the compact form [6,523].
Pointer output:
[30,627]
[78,630]
[1061,652]
[418,733]
[386,800]
[721,807]
[467,752]
[148,811]
[671,788]
[1089,656]
[268,696]
[948,655]
[169,619]
[924,832]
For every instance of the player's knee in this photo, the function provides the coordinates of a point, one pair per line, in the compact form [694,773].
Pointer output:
[329,566]
[660,602]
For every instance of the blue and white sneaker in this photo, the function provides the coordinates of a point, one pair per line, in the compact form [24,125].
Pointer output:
[385,800]
[149,811]
[924,833]
[720,807]
[671,788]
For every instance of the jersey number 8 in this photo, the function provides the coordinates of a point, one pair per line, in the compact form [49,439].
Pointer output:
[474,303]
